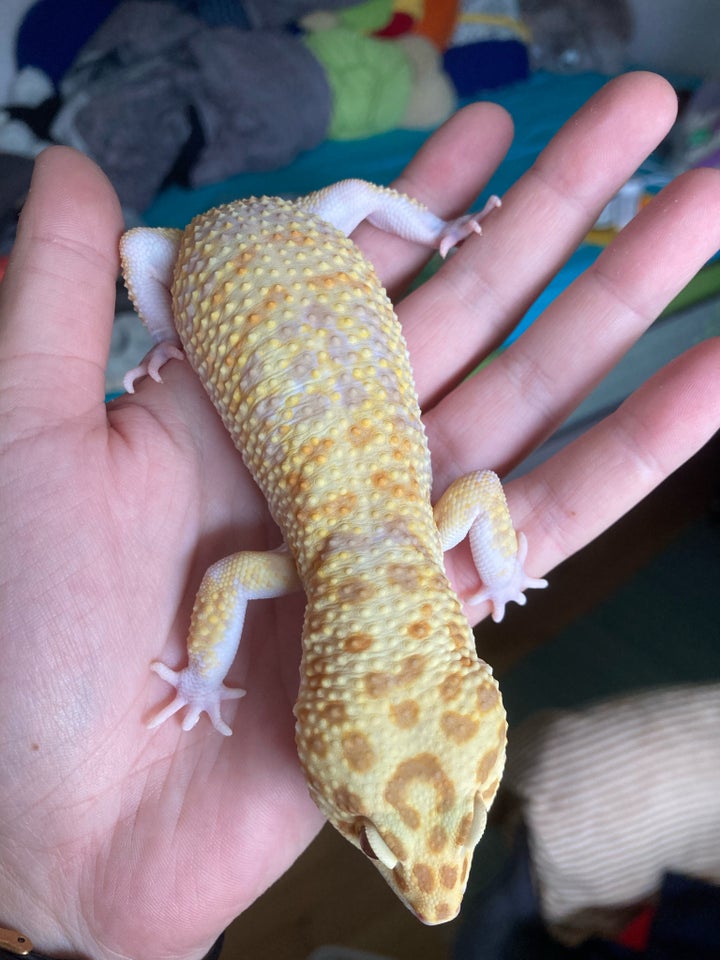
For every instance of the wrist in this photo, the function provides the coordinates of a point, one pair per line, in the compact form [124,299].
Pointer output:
[14,944]
[28,920]
[54,926]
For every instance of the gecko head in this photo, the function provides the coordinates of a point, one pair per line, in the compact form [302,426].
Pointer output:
[426,866]
[413,802]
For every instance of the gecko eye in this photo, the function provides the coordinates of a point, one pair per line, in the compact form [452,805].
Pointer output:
[479,822]
[373,846]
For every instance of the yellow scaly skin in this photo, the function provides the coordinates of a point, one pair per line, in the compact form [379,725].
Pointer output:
[400,727]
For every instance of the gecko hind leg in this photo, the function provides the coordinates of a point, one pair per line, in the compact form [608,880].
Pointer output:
[349,202]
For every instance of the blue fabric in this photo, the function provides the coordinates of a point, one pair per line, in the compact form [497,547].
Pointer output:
[217,13]
[538,107]
[486,65]
[503,924]
[53,31]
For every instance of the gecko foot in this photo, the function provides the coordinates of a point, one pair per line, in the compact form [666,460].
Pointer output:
[512,589]
[195,694]
[460,228]
[151,363]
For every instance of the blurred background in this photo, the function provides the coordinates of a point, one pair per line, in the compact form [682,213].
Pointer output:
[605,840]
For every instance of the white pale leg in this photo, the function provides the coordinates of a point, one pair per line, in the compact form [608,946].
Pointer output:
[215,629]
[348,203]
[474,506]
[148,259]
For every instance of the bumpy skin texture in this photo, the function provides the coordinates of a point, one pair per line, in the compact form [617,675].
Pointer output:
[400,727]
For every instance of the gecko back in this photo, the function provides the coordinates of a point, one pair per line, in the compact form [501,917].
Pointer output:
[299,348]
[400,727]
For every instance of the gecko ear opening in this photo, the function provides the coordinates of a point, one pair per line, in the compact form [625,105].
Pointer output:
[374,847]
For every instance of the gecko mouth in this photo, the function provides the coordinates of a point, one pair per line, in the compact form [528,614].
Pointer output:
[375,848]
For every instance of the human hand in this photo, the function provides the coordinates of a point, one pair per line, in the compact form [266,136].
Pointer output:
[114,840]
[119,841]
[454,321]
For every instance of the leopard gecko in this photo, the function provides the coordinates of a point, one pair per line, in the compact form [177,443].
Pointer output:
[400,728]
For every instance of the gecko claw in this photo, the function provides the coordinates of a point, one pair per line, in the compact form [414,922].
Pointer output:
[195,694]
[512,590]
[152,362]
[457,230]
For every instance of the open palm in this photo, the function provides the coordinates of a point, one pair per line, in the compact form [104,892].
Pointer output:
[119,841]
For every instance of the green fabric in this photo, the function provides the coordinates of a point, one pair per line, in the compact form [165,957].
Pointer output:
[366,17]
[705,284]
[370,81]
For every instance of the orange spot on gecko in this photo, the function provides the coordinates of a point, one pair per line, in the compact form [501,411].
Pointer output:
[342,505]
[334,712]
[448,876]
[458,726]
[463,831]
[488,697]
[419,630]
[405,714]
[405,576]
[451,686]
[348,801]
[358,752]
[424,768]
[358,642]
[363,433]
[315,744]
[379,684]
[356,591]
[411,668]
[460,635]
[443,911]
[438,838]
[424,877]
[399,878]
[486,766]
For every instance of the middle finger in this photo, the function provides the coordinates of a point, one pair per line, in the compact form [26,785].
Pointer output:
[482,292]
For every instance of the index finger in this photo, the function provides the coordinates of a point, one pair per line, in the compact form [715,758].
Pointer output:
[446,174]
[483,291]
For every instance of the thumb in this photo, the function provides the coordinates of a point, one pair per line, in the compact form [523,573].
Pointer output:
[57,297]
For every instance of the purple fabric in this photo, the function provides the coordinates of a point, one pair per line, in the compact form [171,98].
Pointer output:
[154,79]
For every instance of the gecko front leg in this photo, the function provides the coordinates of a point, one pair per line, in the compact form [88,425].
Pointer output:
[475,506]
[215,629]
[148,257]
